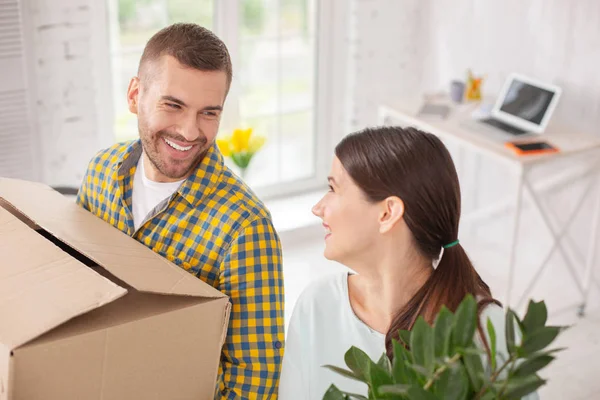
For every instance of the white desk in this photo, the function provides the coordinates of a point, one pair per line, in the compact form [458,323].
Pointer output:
[573,146]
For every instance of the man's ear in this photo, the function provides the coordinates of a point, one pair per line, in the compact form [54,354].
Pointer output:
[132,94]
[392,211]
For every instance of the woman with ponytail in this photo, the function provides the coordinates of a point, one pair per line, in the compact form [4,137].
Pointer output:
[392,216]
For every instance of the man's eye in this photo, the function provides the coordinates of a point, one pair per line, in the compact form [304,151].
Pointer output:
[175,106]
[210,113]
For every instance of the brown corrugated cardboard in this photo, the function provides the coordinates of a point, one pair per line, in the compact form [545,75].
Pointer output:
[88,312]
[125,258]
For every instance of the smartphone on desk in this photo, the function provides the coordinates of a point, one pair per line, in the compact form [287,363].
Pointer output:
[531,148]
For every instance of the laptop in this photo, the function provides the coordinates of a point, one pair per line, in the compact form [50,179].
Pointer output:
[524,106]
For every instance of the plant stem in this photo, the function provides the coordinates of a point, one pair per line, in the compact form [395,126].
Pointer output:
[495,376]
[512,366]
[441,370]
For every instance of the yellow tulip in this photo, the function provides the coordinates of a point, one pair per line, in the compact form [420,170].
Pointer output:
[256,143]
[241,139]
[240,146]
[225,146]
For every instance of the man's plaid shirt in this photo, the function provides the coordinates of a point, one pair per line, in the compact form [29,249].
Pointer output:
[215,228]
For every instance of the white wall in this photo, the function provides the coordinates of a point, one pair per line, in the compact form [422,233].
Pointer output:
[553,40]
[406,46]
[69,56]
[403,48]
[391,54]
[398,48]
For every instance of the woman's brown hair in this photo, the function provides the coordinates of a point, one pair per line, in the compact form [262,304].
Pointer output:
[416,167]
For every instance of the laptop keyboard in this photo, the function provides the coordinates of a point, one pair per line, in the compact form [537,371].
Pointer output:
[501,125]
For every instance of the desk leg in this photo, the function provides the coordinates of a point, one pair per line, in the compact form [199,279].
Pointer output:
[469,168]
[513,246]
[475,191]
[591,255]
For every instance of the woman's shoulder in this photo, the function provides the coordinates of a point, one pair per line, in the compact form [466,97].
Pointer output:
[322,292]
[330,286]
[495,313]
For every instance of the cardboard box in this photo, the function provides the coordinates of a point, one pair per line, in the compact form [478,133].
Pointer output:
[87,312]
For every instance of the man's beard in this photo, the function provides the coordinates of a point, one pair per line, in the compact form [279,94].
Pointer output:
[172,168]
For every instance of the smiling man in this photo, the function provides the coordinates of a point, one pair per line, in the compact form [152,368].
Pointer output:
[171,191]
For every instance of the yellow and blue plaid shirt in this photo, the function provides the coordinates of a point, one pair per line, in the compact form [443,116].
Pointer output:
[215,228]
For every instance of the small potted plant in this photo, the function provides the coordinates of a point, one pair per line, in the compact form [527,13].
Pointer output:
[241,146]
[443,361]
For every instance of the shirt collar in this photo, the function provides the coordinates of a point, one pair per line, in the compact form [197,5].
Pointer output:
[129,158]
[203,180]
[198,185]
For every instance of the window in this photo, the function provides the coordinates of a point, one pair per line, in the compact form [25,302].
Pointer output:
[133,22]
[275,50]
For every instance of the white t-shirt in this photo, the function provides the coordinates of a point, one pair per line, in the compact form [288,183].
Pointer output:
[322,329]
[148,194]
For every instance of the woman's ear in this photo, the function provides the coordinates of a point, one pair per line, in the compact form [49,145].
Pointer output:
[392,212]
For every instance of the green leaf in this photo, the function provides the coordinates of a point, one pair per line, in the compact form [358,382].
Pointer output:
[334,393]
[516,388]
[421,345]
[420,370]
[241,159]
[532,365]
[344,372]
[400,370]
[453,384]
[358,361]
[510,331]
[418,393]
[442,329]
[475,370]
[488,396]
[540,339]
[355,396]
[492,336]
[404,336]
[378,376]
[475,351]
[465,322]
[394,389]
[384,362]
[536,317]
[546,353]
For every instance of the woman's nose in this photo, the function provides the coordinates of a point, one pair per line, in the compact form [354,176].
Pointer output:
[318,209]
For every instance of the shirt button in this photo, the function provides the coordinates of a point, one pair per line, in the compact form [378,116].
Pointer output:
[278,345]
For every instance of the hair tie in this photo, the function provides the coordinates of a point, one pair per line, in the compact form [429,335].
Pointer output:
[447,246]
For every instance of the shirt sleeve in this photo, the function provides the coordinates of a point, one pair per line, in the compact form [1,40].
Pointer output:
[252,276]
[84,193]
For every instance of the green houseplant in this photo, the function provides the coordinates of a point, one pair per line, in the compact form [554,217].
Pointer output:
[443,361]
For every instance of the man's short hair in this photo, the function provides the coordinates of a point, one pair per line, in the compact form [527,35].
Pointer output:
[192,45]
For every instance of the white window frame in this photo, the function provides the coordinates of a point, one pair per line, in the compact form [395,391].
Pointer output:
[330,85]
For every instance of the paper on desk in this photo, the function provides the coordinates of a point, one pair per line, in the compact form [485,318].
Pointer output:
[483,111]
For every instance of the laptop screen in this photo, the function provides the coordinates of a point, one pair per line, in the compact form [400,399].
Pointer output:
[526,101]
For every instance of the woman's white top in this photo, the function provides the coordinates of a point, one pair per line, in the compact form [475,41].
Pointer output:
[322,329]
